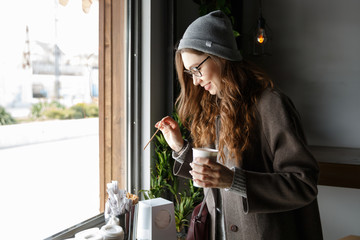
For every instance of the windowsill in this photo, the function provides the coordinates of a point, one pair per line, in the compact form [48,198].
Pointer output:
[97,221]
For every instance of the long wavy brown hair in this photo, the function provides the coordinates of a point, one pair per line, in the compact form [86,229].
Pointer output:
[242,84]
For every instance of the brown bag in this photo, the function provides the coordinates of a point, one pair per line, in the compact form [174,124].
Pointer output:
[200,223]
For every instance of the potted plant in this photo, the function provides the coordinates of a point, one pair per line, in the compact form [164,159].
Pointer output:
[164,184]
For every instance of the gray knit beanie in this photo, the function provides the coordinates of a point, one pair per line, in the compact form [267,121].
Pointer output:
[212,34]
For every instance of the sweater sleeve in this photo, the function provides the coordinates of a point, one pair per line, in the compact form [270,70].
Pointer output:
[238,185]
[182,161]
[292,181]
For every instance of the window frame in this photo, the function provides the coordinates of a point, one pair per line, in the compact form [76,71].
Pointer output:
[96,221]
[132,87]
[112,95]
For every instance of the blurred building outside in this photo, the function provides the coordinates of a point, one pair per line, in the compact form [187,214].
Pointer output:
[35,80]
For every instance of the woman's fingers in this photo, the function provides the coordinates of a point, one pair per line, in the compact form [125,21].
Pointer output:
[204,177]
[207,162]
[159,124]
[211,174]
[205,172]
[171,131]
[166,122]
[170,122]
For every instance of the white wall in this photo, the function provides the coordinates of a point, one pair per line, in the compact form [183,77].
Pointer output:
[316,61]
[339,211]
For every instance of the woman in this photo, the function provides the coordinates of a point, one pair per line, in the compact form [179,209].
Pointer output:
[264,184]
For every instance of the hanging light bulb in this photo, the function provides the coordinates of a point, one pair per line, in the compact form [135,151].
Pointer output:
[261,36]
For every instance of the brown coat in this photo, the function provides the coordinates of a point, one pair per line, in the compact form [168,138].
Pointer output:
[281,180]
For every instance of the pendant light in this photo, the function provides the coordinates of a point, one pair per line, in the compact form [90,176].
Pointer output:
[261,35]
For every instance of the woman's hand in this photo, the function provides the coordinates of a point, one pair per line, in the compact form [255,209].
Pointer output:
[171,131]
[209,174]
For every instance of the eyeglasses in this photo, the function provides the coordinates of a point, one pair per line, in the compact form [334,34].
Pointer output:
[195,71]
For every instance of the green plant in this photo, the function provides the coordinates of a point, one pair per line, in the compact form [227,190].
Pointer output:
[56,110]
[83,110]
[164,184]
[43,109]
[36,110]
[92,110]
[184,203]
[161,175]
[79,110]
[53,113]
[5,117]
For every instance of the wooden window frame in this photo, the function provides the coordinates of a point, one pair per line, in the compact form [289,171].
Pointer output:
[112,95]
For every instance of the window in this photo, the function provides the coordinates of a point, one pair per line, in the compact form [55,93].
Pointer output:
[123,126]
[49,173]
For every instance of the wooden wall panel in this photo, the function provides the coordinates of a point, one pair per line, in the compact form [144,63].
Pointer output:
[119,93]
[339,167]
[112,95]
[339,175]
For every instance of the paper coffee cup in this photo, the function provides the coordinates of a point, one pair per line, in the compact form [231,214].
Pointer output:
[204,153]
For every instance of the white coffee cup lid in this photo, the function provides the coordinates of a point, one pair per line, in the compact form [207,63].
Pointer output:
[205,152]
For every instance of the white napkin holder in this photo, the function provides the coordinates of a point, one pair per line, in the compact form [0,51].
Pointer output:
[155,220]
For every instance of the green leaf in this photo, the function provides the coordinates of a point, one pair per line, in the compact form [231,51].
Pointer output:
[226,10]
[236,34]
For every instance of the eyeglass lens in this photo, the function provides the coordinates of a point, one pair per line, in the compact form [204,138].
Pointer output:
[195,71]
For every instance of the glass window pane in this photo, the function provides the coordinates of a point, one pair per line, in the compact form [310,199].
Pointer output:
[49,158]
